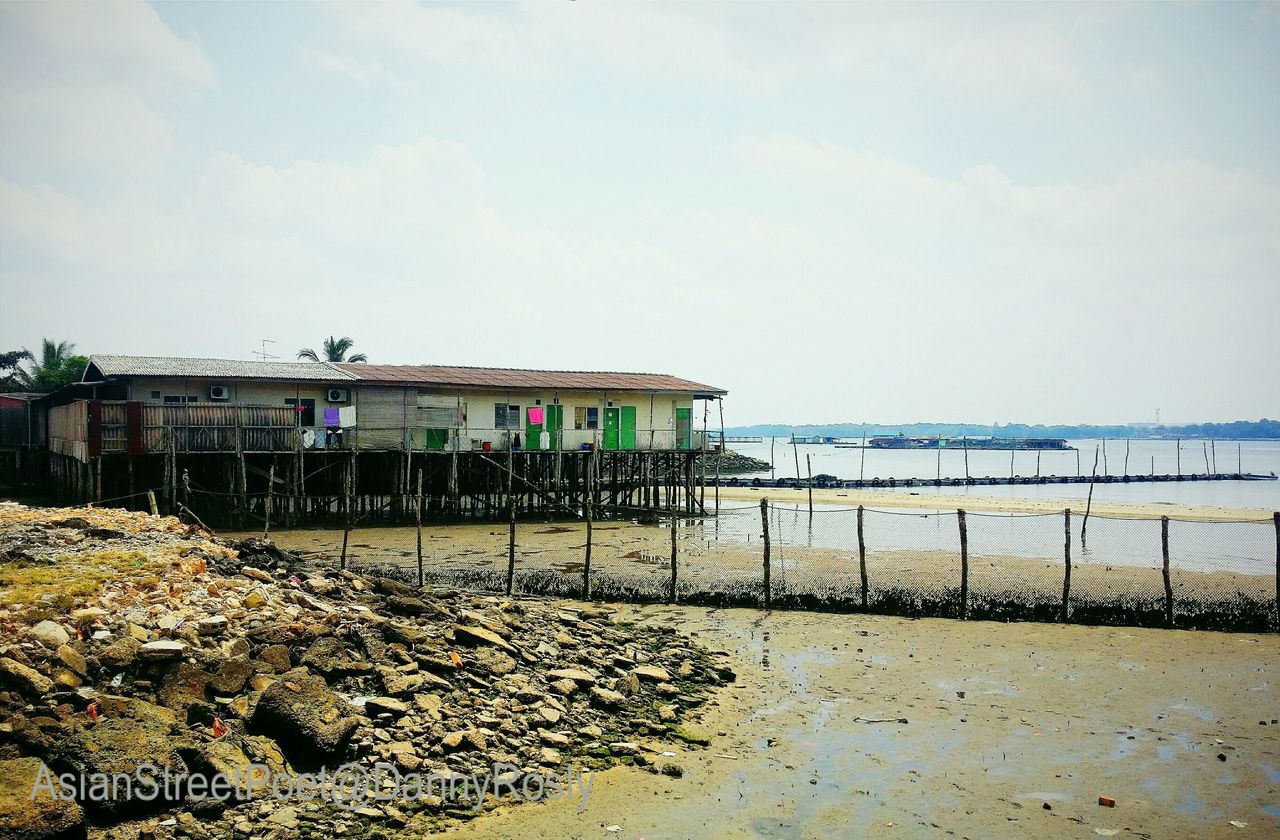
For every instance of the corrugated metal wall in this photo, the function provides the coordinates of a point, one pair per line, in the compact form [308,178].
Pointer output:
[380,417]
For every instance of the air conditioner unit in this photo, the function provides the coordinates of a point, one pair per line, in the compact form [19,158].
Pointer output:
[219,392]
[337,395]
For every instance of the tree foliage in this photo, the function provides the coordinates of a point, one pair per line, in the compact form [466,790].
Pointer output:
[57,365]
[333,350]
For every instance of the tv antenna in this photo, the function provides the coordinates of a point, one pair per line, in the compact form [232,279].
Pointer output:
[262,354]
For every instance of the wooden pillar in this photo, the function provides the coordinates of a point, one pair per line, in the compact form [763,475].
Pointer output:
[1066,573]
[586,560]
[511,548]
[271,490]
[964,565]
[1168,588]
[1275,518]
[675,519]
[768,583]
[862,558]
[417,516]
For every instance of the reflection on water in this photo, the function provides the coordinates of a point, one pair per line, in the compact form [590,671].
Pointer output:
[1244,547]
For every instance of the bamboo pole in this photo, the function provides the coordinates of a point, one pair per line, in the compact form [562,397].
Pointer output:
[1066,574]
[768,584]
[1126,456]
[796,452]
[862,466]
[966,458]
[773,471]
[1179,456]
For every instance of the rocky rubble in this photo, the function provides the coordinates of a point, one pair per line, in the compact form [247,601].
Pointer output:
[127,639]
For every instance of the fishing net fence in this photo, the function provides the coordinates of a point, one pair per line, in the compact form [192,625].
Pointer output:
[1056,566]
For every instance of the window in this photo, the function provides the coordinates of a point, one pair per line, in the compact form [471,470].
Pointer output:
[155,395]
[593,417]
[171,399]
[506,416]
[306,411]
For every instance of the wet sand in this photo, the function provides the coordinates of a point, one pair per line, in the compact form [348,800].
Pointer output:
[1055,715]
[929,500]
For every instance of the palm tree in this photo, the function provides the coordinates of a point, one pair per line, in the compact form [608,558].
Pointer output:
[58,365]
[333,350]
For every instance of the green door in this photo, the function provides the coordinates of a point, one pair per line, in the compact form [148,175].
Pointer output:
[684,428]
[628,434]
[611,428]
[555,422]
[532,431]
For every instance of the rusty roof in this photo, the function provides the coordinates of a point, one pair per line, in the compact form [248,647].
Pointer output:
[517,378]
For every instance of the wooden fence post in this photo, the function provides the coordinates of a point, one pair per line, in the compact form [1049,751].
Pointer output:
[768,587]
[808,465]
[417,516]
[964,565]
[347,481]
[511,547]
[586,560]
[151,500]
[862,558]
[1066,551]
[1168,589]
[266,509]
[1276,518]
[674,523]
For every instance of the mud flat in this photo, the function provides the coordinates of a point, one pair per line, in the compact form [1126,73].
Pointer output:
[1002,720]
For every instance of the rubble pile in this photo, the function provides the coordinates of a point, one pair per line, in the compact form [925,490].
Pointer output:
[127,639]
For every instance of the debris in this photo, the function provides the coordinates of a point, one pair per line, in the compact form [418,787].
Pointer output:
[1106,802]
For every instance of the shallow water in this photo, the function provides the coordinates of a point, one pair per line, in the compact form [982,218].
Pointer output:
[1257,456]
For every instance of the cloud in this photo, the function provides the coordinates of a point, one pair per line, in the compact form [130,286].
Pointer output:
[362,72]
[86,86]
[1012,57]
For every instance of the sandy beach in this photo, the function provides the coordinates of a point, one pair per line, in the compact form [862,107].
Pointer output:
[933,501]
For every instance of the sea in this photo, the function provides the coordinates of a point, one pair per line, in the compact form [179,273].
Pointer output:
[1114,457]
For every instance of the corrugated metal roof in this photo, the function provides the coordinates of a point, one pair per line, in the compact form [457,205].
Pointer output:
[503,378]
[111,365]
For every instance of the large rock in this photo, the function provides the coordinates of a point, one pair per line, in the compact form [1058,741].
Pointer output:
[128,733]
[120,653]
[164,650]
[14,674]
[472,635]
[231,676]
[605,697]
[51,633]
[42,817]
[575,674]
[652,673]
[330,656]
[309,721]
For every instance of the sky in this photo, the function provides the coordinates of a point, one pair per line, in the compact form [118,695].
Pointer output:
[1051,213]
